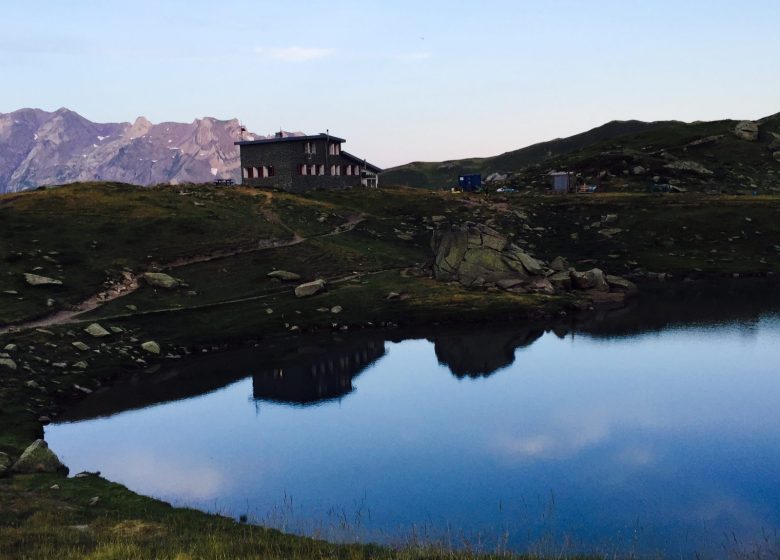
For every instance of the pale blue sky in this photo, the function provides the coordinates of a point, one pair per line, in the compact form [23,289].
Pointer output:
[402,80]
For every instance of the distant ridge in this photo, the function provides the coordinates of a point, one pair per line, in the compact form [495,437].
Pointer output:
[717,156]
[45,148]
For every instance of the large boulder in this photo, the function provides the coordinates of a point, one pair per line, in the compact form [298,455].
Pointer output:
[284,275]
[38,458]
[747,130]
[476,254]
[310,288]
[38,280]
[593,279]
[161,280]
[559,264]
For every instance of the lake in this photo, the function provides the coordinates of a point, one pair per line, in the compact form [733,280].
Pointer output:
[654,430]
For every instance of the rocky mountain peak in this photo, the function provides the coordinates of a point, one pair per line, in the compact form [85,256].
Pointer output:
[44,148]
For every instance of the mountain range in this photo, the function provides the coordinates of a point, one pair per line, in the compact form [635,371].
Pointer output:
[46,148]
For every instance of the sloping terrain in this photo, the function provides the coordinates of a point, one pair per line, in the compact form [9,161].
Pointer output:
[631,155]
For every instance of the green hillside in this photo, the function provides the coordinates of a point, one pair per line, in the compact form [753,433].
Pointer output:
[628,155]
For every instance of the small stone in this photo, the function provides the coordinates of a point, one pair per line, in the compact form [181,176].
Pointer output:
[310,288]
[284,275]
[151,347]
[10,347]
[160,280]
[54,487]
[32,384]
[131,307]
[8,363]
[393,296]
[84,390]
[269,311]
[81,365]
[94,501]
[116,330]
[97,331]
[336,309]
[38,280]
[78,345]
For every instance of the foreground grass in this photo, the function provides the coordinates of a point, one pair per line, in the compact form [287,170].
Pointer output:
[48,516]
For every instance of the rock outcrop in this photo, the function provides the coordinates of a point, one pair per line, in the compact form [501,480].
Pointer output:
[747,130]
[476,255]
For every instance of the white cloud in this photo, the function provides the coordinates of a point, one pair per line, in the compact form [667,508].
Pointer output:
[293,54]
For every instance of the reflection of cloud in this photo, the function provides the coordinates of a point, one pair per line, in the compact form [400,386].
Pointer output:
[559,442]
[165,477]
[293,54]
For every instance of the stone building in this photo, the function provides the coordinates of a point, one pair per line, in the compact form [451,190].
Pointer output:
[300,163]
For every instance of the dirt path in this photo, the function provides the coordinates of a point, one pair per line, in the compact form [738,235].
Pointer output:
[131,282]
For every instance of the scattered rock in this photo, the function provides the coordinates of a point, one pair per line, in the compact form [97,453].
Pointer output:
[116,330]
[32,384]
[10,347]
[8,363]
[747,130]
[284,275]
[151,347]
[269,311]
[81,365]
[776,156]
[38,458]
[131,307]
[94,501]
[691,166]
[336,309]
[38,280]
[621,284]
[161,280]
[509,283]
[609,232]
[590,280]
[85,390]
[97,331]
[541,286]
[609,219]
[310,288]
[639,170]
[561,280]
[393,295]
[559,264]
[5,463]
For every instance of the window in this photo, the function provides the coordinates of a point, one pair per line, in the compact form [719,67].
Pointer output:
[335,170]
[271,171]
[302,169]
[322,169]
[348,170]
[334,149]
[310,148]
[246,172]
[312,169]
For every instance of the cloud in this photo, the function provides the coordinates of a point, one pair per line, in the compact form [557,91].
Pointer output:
[294,54]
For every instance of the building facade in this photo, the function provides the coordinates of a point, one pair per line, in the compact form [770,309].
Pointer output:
[301,163]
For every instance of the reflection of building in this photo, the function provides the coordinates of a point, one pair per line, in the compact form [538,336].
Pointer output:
[481,354]
[318,375]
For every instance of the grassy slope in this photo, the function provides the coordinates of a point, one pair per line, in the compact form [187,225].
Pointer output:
[618,147]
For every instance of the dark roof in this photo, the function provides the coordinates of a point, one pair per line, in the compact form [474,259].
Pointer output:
[372,168]
[320,136]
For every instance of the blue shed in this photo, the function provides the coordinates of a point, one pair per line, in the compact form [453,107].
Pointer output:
[470,183]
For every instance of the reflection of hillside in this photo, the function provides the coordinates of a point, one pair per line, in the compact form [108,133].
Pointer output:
[687,304]
[316,374]
[480,354]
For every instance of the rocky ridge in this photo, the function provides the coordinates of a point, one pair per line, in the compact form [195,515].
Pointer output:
[39,148]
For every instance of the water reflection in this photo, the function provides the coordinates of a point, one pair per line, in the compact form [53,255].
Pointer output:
[316,374]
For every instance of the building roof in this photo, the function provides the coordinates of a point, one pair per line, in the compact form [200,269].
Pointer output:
[372,168]
[307,138]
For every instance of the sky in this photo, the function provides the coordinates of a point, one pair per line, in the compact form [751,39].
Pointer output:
[401,80]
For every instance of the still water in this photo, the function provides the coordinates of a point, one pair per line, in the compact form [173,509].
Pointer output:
[655,431]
